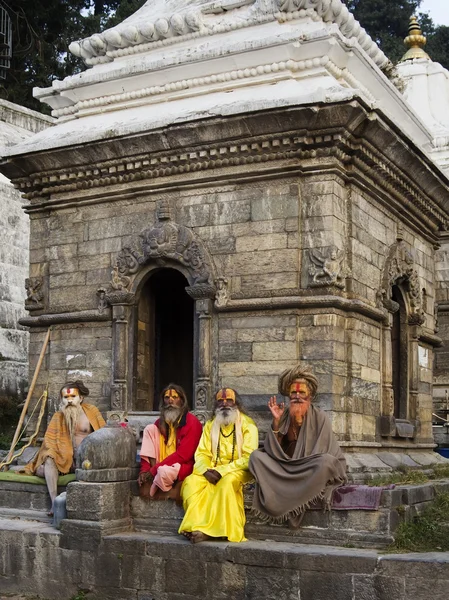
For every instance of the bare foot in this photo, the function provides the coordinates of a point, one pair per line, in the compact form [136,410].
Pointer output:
[198,536]
[186,534]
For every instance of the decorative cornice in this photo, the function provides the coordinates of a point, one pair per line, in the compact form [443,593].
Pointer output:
[80,316]
[305,302]
[276,72]
[430,338]
[144,34]
[336,143]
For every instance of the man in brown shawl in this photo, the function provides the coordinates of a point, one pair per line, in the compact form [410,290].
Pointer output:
[301,461]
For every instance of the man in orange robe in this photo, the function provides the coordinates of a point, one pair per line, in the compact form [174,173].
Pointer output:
[67,429]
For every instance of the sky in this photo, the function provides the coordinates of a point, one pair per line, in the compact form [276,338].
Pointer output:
[437,9]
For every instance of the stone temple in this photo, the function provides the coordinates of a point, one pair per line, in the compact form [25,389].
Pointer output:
[233,187]
[230,188]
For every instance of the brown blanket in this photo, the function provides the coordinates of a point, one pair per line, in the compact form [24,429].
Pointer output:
[286,486]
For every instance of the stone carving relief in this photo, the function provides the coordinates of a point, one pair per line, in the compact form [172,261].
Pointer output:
[35,293]
[167,241]
[326,269]
[222,293]
[102,300]
[399,270]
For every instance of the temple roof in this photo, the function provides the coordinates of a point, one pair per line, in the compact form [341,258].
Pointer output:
[164,22]
[179,61]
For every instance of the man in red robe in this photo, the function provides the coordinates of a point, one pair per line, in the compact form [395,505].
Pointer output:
[168,446]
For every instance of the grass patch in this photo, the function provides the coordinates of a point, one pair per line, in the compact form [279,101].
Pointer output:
[407,476]
[428,532]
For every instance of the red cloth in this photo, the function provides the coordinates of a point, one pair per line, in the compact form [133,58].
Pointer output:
[188,436]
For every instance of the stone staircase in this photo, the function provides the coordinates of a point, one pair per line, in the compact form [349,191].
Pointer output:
[359,528]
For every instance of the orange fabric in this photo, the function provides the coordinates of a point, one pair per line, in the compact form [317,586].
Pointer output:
[57,443]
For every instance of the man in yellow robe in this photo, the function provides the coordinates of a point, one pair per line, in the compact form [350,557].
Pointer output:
[213,495]
[68,427]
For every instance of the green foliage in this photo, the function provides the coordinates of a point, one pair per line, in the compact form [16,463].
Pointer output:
[428,532]
[387,23]
[407,476]
[42,33]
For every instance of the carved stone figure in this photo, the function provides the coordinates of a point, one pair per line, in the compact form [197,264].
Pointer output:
[326,270]
[222,294]
[399,270]
[35,293]
[166,241]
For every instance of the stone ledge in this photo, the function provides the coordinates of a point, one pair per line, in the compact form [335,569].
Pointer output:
[139,566]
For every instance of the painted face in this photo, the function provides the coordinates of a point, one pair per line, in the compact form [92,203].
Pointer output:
[70,397]
[225,396]
[300,400]
[172,398]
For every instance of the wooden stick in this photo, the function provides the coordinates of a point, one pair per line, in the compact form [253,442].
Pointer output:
[30,393]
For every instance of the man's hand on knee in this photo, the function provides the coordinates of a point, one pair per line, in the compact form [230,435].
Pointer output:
[144,477]
[212,476]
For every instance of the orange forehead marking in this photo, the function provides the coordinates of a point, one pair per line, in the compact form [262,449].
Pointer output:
[171,393]
[225,394]
[70,390]
[298,387]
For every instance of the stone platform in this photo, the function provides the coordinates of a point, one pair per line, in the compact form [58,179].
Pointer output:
[360,528]
[36,561]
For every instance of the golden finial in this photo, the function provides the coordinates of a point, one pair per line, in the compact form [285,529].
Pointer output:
[415,41]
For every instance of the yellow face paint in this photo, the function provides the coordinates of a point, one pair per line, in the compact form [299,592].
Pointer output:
[225,394]
[171,394]
[299,387]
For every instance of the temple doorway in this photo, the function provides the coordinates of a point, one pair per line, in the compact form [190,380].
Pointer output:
[399,345]
[165,338]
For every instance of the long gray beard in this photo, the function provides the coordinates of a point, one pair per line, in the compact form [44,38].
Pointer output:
[226,416]
[171,414]
[71,416]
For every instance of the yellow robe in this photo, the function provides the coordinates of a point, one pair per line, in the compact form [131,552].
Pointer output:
[217,510]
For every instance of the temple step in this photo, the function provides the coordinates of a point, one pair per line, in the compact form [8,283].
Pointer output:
[352,527]
[25,515]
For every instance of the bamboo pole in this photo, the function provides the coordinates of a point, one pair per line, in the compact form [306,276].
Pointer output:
[29,395]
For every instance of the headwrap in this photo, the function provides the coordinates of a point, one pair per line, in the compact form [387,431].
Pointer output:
[291,375]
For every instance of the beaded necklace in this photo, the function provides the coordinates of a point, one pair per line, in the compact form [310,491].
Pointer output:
[217,458]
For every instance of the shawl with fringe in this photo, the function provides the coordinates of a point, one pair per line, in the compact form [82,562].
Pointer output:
[57,443]
[286,486]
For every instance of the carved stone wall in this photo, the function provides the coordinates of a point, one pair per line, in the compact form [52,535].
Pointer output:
[285,236]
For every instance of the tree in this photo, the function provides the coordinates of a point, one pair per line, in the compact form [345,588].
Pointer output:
[387,23]
[42,32]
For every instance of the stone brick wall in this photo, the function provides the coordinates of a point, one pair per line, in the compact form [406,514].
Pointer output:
[16,123]
[144,567]
[259,237]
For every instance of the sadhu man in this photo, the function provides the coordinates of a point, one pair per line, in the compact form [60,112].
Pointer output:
[168,445]
[67,429]
[301,461]
[213,495]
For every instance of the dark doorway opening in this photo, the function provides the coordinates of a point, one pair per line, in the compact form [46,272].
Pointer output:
[165,338]
[399,346]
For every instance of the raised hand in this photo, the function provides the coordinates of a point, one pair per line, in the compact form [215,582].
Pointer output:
[276,410]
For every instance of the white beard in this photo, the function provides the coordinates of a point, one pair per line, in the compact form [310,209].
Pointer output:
[226,416]
[71,416]
[171,414]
